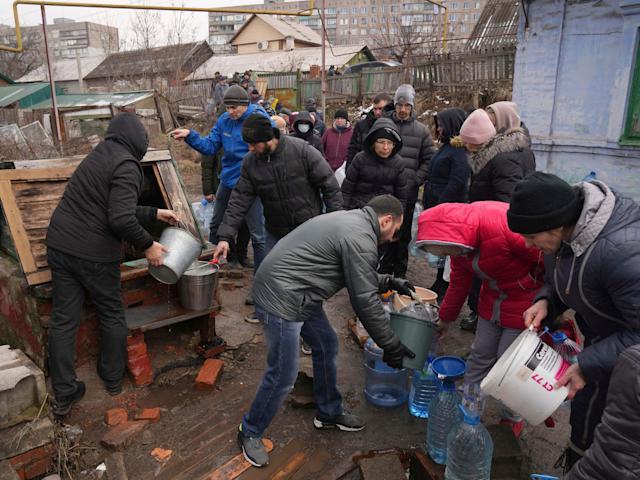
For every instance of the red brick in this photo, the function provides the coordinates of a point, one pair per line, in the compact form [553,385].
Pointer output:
[121,436]
[209,374]
[33,463]
[137,350]
[115,416]
[151,414]
[138,361]
[37,468]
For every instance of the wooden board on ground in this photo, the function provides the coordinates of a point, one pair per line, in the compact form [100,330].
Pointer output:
[236,466]
[282,465]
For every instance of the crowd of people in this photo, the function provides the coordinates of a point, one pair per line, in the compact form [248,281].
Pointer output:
[523,248]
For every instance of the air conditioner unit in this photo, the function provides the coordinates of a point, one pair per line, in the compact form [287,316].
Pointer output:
[263,45]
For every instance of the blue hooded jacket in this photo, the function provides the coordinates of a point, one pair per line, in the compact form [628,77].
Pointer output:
[226,134]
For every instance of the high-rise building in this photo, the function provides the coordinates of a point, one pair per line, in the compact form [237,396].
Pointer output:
[68,38]
[378,23]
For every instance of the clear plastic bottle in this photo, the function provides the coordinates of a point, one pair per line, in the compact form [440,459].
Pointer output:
[469,444]
[444,414]
[425,385]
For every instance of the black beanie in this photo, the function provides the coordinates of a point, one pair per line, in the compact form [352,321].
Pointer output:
[235,95]
[385,132]
[341,113]
[257,128]
[542,202]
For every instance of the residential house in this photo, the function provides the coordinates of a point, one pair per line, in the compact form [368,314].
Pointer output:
[577,85]
[267,33]
[154,68]
[68,73]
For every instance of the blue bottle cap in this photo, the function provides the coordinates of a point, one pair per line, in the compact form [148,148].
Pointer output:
[204,201]
[449,367]
[558,337]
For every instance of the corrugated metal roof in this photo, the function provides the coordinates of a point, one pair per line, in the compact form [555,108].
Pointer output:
[286,28]
[281,61]
[81,100]
[65,70]
[497,25]
[10,94]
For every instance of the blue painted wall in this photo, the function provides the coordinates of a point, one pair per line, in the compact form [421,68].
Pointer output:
[571,83]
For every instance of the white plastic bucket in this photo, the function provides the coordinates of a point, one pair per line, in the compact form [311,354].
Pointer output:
[524,376]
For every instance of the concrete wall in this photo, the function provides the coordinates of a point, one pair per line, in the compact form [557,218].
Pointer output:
[571,83]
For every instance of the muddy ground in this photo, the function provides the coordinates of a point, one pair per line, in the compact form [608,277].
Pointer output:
[200,427]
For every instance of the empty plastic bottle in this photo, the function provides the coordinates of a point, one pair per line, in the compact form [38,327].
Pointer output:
[444,414]
[590,176]
[424,386]
[203,211]
[469,444]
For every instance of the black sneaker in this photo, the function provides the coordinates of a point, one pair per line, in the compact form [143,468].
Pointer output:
[253,449]
[249,299]
[304,347]
[469,323]
[62,405]
[113,388]
[345,422]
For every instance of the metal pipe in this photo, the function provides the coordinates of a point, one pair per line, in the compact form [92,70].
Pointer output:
[52,82]
[167,8]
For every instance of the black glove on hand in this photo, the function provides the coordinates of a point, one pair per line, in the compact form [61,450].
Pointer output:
[402,286]
[395,355]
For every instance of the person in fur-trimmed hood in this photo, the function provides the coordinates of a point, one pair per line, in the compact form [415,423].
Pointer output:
[498,161]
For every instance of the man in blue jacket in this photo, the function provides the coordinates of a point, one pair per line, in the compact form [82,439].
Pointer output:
[227,134]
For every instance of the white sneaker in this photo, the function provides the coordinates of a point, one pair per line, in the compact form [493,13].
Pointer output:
[251,318]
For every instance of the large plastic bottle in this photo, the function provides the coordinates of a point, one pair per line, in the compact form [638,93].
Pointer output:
[425,385]
[469,444]
[384,386]
[203,211]
[444,414]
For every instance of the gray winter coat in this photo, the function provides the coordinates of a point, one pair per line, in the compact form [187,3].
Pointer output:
[417,150]
[615,452]
[320,257]
[597,274]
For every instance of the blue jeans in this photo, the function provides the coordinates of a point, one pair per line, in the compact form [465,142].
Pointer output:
[283,346]
[254,219]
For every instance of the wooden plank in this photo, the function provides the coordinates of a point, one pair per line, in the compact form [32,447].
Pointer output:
[37,278]
[177,198]
[156,172]
[16,227]
[236,466]
[73,161]
[35,174]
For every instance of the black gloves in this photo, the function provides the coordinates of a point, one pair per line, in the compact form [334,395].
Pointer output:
[402,286]
[395,355]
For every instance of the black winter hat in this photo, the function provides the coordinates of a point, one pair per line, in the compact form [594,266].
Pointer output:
[257,128]
[235,95]
[341,113]
[542,202]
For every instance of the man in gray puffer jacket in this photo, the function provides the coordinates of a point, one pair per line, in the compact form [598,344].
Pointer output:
[591,239]
[416,153]
[305,268]
[615,453]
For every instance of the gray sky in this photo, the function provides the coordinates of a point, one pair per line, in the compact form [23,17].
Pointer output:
[30,15]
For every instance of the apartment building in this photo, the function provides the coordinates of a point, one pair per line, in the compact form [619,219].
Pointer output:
[354,22]
[68,38]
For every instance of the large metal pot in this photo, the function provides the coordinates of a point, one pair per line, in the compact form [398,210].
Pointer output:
[183,247]
[197,286]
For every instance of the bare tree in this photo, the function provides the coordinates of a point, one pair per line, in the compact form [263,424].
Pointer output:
[181,28]
[15,65]
[146,26]
[404,40]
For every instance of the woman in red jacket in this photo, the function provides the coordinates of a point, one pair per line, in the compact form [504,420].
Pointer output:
[479,241]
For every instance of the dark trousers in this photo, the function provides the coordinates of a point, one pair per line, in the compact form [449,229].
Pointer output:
[474,295]
[71,278]
[395,257]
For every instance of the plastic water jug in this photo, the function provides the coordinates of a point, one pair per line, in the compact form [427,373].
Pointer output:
[469,444]
[203,211]
[425,386]
[444,411]
[384,386]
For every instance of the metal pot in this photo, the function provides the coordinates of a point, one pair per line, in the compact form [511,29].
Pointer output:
[197,285]
[183,247]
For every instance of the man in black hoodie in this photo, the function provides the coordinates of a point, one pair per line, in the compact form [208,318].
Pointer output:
[98,210]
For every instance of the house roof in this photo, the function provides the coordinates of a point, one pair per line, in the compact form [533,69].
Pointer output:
[152,61]
[65,70]
[85,100]
[496,27]
[286,28]
[279,61]
[10,94]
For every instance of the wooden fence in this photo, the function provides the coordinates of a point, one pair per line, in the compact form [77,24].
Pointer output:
[448,72]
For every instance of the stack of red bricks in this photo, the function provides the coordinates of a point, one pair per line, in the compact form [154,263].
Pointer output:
[138,360]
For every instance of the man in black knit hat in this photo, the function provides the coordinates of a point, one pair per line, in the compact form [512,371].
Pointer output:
[289,176]
[591,239]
